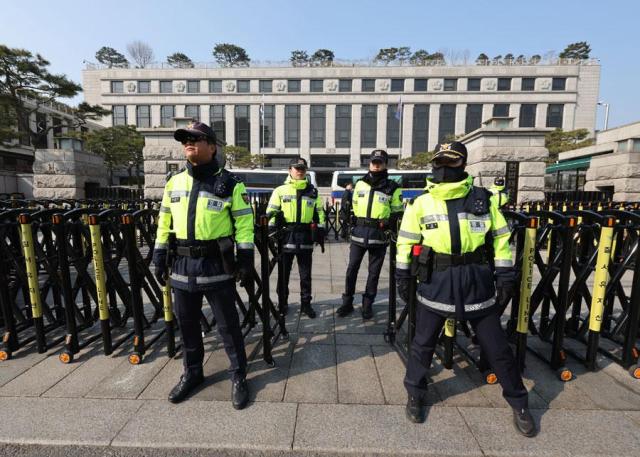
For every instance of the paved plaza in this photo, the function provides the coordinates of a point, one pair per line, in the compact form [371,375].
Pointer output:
[336,389]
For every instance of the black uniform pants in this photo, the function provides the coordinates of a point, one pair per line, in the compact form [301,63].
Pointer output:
[376,259]
[222,302]
[493,343]
[304,270]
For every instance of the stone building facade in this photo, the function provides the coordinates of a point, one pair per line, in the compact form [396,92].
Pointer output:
[334,116]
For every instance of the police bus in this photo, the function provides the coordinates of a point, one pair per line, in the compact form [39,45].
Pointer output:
[261,181]
[412,182]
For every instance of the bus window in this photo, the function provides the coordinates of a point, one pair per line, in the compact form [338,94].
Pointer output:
[344,179]
[414,180]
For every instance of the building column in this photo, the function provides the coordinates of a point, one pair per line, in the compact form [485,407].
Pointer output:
[356,128]
[569,117]
[514,112]
[407,131]
[330,131]
[279,127]
[434,122]
[155,115]
[131,115]
[541,115]
[254,134]
[381,128]
[487,111]
[305,124]
[204,115]
[461,117]
[230,124]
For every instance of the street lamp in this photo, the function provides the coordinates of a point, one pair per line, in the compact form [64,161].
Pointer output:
[606,113]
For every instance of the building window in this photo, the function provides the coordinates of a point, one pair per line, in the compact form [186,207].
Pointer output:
[317,126]
[243,85]
[293,85]
[369,126]
[528,83]
[143,116]
[393,127]
[215,86]
[119,113]
[167,113]
[447,122]
[332,161]
[243,126]
[315,85]
[144,87]
[473,118]
[344,85]
[343,126]
[166,87]
[635,145]
[193,86]
[420,85]
[554,115]
[473,84]
[527,115]
[501,110]
[420,137]
[450,84]
[368,85]
[291,126]
[558,84]
[504,83]
[117,87]
[57,126]
[268,130]
[265,85]
[192,112]
[217,121]
[397,85]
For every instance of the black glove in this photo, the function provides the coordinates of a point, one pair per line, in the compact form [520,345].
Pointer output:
[160,273]
[244,262]
[403,279]
[506,286]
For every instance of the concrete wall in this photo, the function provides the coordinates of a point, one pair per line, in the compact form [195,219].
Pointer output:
[59,173]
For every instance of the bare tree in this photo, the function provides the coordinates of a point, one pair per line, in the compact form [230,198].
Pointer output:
[140,52]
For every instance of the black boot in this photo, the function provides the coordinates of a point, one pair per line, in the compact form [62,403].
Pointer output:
[189,380]
[305,308]
[347,306]
[524,423]
[416,410]
[239,393]
[367,308]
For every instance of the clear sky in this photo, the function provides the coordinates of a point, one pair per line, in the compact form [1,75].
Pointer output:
[66,32]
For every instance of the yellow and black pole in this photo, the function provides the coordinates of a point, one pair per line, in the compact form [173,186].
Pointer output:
[526,285]
[26,235]
[135,284]
[167,306]
[101,282]
[600,281]
[447,342]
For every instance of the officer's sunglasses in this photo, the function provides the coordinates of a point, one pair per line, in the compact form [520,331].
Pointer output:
[192,140]
[447,162]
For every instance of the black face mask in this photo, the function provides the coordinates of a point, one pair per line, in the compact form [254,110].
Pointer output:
[448,174]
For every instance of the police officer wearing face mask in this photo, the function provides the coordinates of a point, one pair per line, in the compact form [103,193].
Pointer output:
[207,209]
[376,207]
[298,203]
[451,221]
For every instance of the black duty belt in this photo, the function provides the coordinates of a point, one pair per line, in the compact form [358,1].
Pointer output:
[443,261]
[202,248]
[374,223]
[297,226]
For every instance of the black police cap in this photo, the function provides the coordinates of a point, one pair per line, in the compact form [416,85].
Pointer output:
[195,129]
[450,151]
[298,162]
[379,155]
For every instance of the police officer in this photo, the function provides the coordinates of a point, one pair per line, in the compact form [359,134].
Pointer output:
[376,206]
[207,209]
[499,189]
[451,220]
[298,204]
